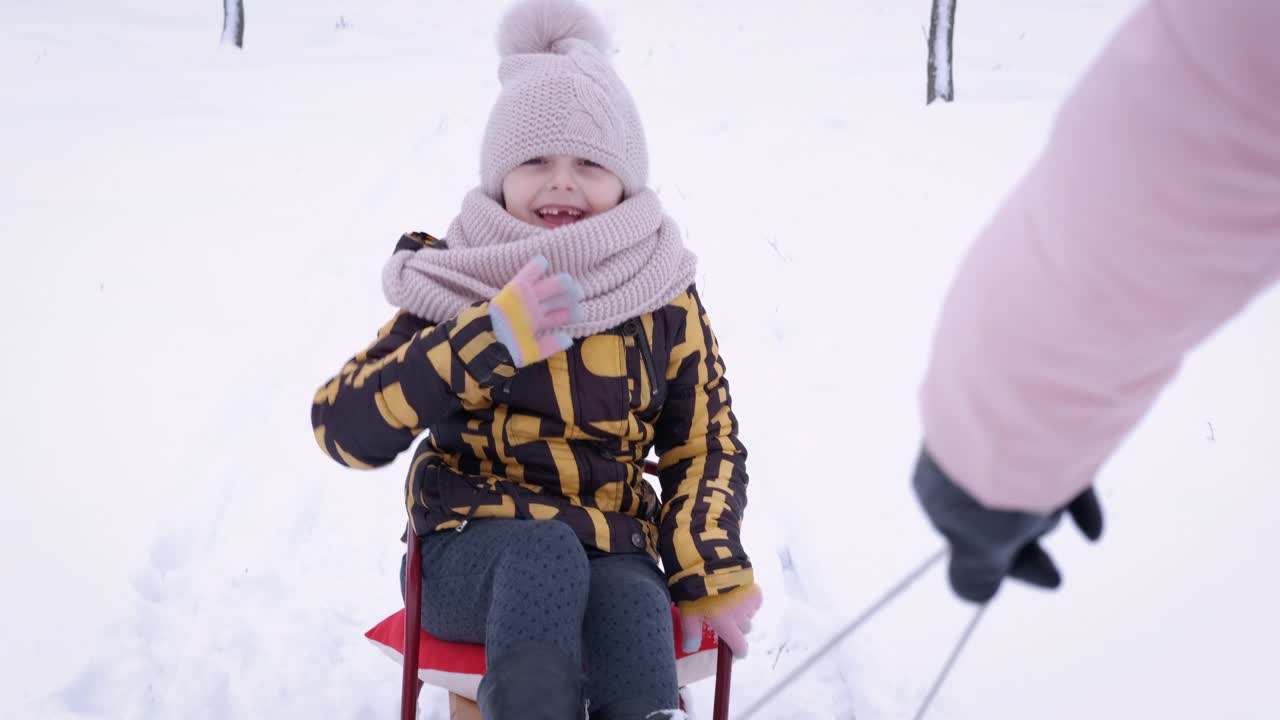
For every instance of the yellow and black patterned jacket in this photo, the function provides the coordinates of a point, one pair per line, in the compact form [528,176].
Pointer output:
[565,438]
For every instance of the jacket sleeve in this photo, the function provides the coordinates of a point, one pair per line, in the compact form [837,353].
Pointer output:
[703,468]
[413,375]
[1150,219]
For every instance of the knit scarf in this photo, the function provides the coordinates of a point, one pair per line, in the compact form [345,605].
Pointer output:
[629,260]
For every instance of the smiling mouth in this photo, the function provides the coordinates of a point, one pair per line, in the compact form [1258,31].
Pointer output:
[558,215]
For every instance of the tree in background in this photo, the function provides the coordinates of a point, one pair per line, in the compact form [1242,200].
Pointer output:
[941,29]
[233,22]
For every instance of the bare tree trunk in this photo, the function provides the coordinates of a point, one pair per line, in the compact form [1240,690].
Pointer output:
[941,30]
[233,22]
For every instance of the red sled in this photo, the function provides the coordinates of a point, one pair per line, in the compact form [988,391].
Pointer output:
[458,667]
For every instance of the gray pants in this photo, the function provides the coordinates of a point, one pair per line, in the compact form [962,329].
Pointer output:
[507,582]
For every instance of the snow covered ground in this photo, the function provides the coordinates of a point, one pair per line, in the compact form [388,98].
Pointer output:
[192,238]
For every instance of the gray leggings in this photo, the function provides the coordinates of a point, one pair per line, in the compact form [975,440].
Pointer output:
[505,582]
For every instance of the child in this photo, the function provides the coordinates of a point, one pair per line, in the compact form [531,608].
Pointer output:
[543,393]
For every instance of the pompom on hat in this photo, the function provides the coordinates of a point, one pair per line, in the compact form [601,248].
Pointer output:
[560,95]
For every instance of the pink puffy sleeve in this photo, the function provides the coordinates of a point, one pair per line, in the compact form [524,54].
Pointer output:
[1152,216]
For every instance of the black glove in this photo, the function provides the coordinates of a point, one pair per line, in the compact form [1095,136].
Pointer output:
[988,545]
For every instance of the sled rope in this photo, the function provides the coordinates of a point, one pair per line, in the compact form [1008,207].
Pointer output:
[951,661]
[889,596]
[857,622]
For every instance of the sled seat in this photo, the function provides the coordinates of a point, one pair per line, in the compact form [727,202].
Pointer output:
[458,667]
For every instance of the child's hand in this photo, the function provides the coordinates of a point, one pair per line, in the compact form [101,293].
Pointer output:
[728,615]
[530,312]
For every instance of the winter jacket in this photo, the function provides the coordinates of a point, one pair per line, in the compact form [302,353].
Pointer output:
[565,438]
[1152,216]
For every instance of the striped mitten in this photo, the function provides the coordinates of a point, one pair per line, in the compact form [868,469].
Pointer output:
[530,312]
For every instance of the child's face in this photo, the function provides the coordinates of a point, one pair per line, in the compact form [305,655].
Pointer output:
[557,190]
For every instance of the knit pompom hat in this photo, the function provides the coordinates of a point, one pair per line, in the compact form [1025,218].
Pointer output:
[560,95]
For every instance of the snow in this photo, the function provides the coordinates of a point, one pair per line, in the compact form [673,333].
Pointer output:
[193,238]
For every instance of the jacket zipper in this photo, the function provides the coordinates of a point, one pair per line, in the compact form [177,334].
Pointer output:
[636,330]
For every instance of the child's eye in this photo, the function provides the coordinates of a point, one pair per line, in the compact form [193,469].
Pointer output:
[535,161]
[587,163]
